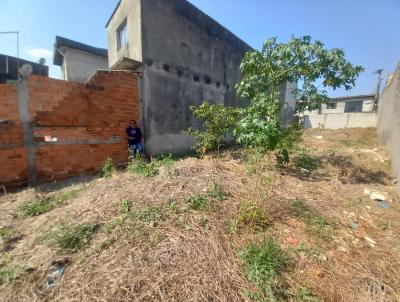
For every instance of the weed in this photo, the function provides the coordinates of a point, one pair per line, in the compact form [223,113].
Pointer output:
[6,276]
[264,263]
[383,225]
[105,244]
[304,294]
[140,167]
[250,214]
[230,226]
[165,160]
[305,161]
[217,193]
[44,205]
[109,168]
[315,224]
[126,207]
[4,231]
[70,237]
[152,216]
[197,202]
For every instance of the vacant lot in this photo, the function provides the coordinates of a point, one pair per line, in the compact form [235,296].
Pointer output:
[234,229]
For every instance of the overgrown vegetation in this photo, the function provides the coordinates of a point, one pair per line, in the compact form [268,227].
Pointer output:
[259,124]
[218,122]
[70,237]
[138,165]
[46,204]
[264,263]
[251,215]
[109,168]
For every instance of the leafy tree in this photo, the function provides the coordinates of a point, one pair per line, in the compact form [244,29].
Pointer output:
[300,60]
[218,122]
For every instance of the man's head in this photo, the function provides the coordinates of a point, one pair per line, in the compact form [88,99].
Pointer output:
[132,123]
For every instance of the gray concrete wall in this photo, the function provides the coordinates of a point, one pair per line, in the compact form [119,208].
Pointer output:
[188,58]
[389,119]
[130,11]
[79,66]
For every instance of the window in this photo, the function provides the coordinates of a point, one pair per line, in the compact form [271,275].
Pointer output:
[331,106]
[354,106]
[122,35]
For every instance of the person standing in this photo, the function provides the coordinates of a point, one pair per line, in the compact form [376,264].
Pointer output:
[134,137]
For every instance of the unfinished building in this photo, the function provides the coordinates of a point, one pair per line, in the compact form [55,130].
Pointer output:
[185,56]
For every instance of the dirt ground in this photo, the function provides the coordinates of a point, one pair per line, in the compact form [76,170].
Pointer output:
[173,250]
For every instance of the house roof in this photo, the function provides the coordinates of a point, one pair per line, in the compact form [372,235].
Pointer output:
[348,98]
[62,42]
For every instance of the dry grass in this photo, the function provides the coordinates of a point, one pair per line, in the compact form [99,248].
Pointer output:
[159,248]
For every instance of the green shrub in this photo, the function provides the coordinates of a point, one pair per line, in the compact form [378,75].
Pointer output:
[43,205]
[70,237]
[197,202]
[264,262]
[140,167]
[109,168]
[250,214]
[305,161]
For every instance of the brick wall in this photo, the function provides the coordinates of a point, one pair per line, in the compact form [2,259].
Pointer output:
[75,126]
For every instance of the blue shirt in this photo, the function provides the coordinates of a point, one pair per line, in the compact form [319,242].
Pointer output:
[134,135]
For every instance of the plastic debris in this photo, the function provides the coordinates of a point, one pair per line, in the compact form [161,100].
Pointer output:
[377,196]
[370,241]
[58,269]
[383,204]
[322,257]
[292,241]
[354,225]
[320,137]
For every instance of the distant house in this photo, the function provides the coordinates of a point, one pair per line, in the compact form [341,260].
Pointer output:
[9,67]
[344,112]
[185,57]
[78,61]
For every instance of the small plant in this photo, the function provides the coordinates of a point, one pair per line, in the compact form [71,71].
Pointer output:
[6,276]
[304,294]
[305,161]
[230,226]
[217,193]
[264,263]
[140,167]
[109,168]
[197,202]
[250,214]
[126,207]
[151,216]
[315,224]
[44,205]
[70,237]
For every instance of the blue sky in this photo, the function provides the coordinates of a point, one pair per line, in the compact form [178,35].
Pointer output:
[368,30]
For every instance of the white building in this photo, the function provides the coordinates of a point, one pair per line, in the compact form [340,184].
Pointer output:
[344,112]
[78,61]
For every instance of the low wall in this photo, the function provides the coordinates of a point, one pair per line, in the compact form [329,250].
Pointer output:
[389,119]
[340,120]
[52,129]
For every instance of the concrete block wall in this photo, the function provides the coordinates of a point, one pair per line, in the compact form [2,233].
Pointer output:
[340,120]
[54,129]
